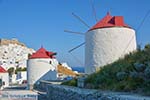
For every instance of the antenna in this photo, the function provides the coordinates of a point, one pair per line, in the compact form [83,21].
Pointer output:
[68,31]
[81,20]
[76,47]
[94,11]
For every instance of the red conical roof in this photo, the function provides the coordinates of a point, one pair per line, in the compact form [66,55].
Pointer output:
[110,21]
[2,70]
[42,53]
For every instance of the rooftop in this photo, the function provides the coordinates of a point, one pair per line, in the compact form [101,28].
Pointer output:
[2,70]
[110,21]
[42,53]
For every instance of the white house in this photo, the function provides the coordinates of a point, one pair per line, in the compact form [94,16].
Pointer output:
[4,78]
[21,76]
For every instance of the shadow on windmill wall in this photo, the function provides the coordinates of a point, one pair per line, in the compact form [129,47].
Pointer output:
[50,75]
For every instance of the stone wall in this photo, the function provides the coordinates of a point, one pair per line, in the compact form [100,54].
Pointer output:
[60,92]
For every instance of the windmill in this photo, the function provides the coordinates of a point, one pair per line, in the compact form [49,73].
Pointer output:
[107,41]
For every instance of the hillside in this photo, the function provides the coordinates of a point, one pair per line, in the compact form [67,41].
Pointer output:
[13,53]
[132,73]
[129,74]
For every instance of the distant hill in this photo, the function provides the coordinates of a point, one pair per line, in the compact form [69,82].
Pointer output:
[78,69]
[13,41]
[13,53]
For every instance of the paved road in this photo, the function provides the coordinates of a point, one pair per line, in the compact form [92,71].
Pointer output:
[18,93]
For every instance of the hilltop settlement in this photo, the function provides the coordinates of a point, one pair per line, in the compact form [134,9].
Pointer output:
[20,64]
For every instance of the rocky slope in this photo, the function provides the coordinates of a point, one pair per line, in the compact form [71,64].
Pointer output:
[131,73]
[13,53]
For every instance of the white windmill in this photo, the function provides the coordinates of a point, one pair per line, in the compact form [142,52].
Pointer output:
[107,41]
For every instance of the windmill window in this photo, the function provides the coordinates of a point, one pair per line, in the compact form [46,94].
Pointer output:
[50,62]
[3,83]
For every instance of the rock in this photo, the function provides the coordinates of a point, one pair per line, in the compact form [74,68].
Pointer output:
[13,41]
[60,92]
[147,72]
[139,67]
[134,74]
[121,75]
[147,63]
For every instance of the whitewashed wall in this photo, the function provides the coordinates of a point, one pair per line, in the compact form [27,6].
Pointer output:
[13,55]
[106,45]
[21,75]
[41,69]
[5,78]
[13,78]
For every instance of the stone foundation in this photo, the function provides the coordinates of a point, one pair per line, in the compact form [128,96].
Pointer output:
[60,92]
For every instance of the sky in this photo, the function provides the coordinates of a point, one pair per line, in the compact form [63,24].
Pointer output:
[39,23]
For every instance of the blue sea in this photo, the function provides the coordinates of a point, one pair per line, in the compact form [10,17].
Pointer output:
[79,69]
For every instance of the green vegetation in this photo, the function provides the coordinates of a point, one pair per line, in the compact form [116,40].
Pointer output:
[12,70]
[20,69]
[129,74]
[72,82]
